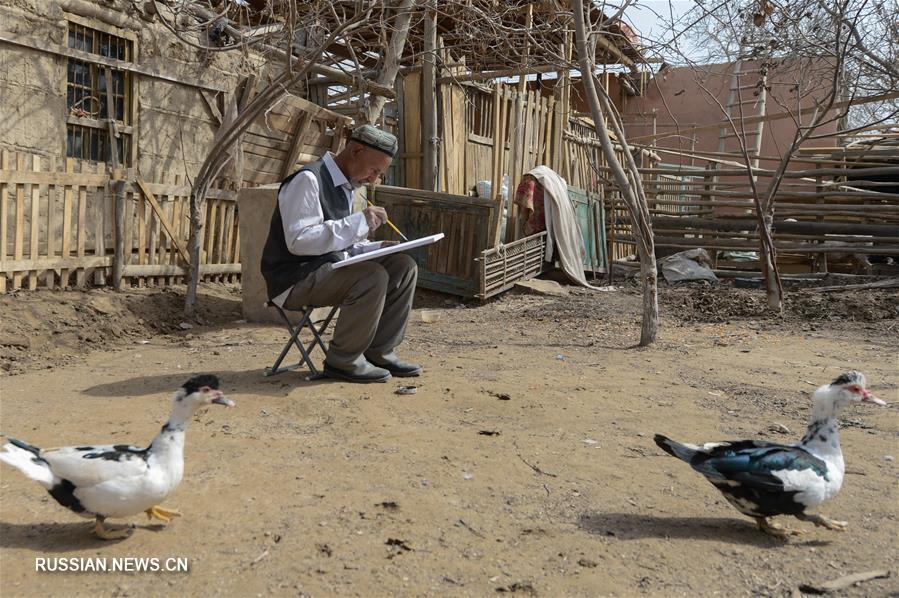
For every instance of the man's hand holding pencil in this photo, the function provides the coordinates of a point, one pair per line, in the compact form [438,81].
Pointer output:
[376,216]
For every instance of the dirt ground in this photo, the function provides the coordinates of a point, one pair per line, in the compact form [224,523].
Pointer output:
[524,464]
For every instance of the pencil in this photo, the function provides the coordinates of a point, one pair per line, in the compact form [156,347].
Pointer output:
[391,225]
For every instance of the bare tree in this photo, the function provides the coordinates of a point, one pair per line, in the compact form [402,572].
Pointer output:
[295,40]
[390,62]
[838,51]
[626,173]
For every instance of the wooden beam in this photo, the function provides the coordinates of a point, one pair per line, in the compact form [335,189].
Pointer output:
[209,99]
[611,48]
[54,263]
[43,46]
[296,144]
[777,116]
[170,270]
[511,72]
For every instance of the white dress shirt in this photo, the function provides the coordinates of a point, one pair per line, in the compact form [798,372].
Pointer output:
[306,232]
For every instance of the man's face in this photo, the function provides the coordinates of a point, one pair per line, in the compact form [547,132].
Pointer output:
[366,165]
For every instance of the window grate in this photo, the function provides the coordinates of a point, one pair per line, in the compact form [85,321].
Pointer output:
[87,133]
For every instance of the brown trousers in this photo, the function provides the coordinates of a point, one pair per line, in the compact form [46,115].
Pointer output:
[375,299]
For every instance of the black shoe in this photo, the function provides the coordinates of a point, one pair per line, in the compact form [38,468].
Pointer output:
[394,365]
[362,374]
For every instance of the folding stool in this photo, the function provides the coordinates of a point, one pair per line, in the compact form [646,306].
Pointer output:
[318,329]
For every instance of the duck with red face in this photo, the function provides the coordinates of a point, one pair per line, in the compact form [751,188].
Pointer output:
[764,479]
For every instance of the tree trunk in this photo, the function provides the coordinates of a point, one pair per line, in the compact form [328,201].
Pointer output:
[374,104]
[627,177]
[197,196]
[768,257]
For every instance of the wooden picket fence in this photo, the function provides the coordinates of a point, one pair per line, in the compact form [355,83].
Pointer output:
[58,227]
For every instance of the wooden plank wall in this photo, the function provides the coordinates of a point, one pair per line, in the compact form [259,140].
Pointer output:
[453,175]
[293,133]
[57,227]
[411,153]
[471,150]
[480,152]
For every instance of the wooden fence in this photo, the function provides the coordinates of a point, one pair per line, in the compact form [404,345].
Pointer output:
[59,227]
[819,214]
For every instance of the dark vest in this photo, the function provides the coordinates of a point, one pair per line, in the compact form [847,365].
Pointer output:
[282,269]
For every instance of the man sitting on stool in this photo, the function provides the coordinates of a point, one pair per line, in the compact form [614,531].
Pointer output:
[311,227]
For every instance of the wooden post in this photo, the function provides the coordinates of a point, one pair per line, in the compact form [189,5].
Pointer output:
[4,218]
[429,139]
[517,141]
[708,185]
[820,259]
[118,262]
[82,235]
[496,174]
[19,244]
[400,162]
[110,121]
[34,238]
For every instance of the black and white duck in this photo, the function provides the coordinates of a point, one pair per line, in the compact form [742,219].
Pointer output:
[120,480]
[763,479]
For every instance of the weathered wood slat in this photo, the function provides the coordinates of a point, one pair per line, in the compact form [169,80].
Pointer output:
[54,263]
[163,220]
[142,206]
[82,234]
[739,245]
[4,217]
[103,204]
[229,233]
[54,193]
[133,270]
[19,247]
[15,177]
[68,199]
[34,237]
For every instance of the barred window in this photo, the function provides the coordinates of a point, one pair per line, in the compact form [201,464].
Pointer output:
[89,103]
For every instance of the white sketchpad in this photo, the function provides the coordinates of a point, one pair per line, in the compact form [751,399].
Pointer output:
[388,250]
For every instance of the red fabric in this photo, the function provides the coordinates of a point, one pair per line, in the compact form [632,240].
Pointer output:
[529,199]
